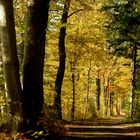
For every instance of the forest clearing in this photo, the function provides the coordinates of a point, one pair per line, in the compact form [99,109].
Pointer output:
[69,69]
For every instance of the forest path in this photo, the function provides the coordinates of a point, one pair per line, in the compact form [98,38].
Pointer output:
[102,129]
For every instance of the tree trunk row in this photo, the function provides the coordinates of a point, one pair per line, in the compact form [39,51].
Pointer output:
[27,104]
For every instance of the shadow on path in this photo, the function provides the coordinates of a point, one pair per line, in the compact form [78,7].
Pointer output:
[101,129]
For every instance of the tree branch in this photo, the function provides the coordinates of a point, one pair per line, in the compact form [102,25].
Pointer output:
[75,12]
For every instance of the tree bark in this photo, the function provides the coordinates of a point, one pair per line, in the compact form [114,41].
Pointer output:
[111,103]
[62,59]
[33,61]
[108,96]
[98,92]
[88,89]
[105,94]
[133,83]
[10,64]
[72,65]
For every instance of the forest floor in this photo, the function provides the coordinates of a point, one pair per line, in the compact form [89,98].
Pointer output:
[112,128]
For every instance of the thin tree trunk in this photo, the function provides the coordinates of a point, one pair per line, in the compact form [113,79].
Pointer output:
[62,59]
[117,106]
[133,82]
[10,63]
[111,103]
[98,92]
[73,96]
[73,91]
[108,96]
[88,89]
[33,62]
[105,95]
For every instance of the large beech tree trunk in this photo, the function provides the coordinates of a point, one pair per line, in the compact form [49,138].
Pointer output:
[62,59]
[34,51]
[10,64]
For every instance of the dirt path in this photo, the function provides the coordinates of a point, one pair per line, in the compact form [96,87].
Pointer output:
[101,129]
[102,121]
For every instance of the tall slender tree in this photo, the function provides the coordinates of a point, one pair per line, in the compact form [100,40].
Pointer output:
[62,60]
[88,88]
[98,92]
[73,80]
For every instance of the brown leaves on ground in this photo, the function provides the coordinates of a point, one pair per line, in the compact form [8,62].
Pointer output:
[12,136]
[23,136]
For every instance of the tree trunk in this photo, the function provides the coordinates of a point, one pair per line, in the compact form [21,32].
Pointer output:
[33,61]
[73,91]
[88,89]
[111,103]
[105,95]
[117,106]
[62,59]
[10,63]
[133,83]
[108,96]
[98,92]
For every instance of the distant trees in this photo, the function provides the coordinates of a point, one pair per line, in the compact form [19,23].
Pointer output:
[86,87]
[123,29]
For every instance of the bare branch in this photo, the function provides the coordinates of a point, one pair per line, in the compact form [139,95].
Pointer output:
[75,12]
